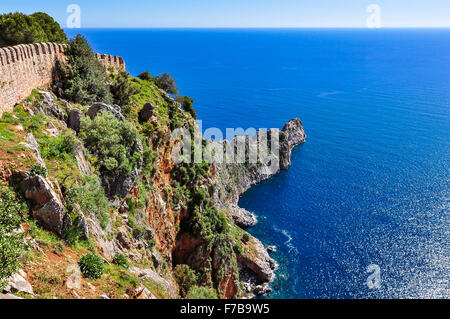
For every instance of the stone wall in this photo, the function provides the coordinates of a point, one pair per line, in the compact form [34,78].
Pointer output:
[29,66]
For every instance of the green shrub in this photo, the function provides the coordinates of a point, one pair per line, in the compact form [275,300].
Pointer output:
[187,104]
[131,222]
[19,28]
[245,238]
[197,292]
[85,81]
[185,277]
[112,143]
[11,242]
[122,90]
[58,147]
[145,76]
[167,83]
[38,170]
[121,260]
[91,198]
[92,266]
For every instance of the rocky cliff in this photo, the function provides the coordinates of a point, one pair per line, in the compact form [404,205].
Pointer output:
[169,220]
[234,179]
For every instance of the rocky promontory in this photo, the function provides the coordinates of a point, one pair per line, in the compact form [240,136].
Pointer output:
[234,179]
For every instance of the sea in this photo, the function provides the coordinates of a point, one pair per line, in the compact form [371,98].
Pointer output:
[363,212]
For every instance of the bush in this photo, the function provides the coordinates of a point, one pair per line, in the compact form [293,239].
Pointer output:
[122,90]
[11,242]
[91,198]
[185,277]
[19,28]
[167,83]
[87,81]
[187,104]
[58,147]
[197,292]
[112,142]
[121,260]
[145,76]
[245,238]
[92,266]
[38,170]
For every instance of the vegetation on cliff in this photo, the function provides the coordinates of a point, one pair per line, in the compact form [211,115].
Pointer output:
[19,28]
[164,230]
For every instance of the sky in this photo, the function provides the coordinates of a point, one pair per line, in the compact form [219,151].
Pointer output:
[241,13]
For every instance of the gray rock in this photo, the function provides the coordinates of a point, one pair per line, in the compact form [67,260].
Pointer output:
[47,207]
[291,135]
[241,217]
[32,144]
[73,281]
[18,283]
[271,248]
[82,163]
[157,259]
[82,226]
[74,120]
[123,239]
[107,247]
[124,208]
[150,274]
[8,296]
[49,107]
[146,113]
[104,296]
[97,108]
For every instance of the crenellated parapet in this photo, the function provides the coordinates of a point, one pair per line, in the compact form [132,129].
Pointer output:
[26,67]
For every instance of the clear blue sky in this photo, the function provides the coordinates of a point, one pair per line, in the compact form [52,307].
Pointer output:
[240,13]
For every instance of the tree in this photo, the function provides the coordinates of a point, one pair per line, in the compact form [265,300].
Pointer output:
[51,28]
[185,277]
[187,104]
[112,142]
[122,90]
[19,28]
[86,81]
[167,83]
[145,76]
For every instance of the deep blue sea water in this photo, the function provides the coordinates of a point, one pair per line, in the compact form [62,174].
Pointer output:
[371,184]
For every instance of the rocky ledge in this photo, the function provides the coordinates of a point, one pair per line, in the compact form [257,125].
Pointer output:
[234,179]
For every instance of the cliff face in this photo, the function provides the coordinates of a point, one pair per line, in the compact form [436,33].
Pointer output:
[159,215]
[233,179]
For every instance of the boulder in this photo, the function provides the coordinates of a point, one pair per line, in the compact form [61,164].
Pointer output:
[97,108]
[241,217]
[18,283]
[32,145]
[82,226]
[74,120]
[83,164]
[146,113]
[49,107]
[74,279]
[47,207]
[123,239]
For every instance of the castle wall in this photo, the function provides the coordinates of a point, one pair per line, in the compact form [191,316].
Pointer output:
[26,67]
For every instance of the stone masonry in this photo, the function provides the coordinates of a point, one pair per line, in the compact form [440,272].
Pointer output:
[26,67]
